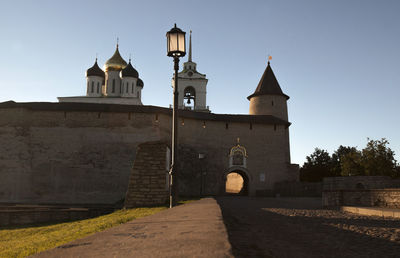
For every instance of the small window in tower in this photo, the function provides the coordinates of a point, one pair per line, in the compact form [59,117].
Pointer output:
[137,94]
[272,103]
[87,87]
[274,127]
[92,87]
[132,87]
[251,126]
[127,87]
[98,87]
[226,126]
[113,86]
[190,67]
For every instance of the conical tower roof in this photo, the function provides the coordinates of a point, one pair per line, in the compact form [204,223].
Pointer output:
[95,70]
[268,85]
[116,62]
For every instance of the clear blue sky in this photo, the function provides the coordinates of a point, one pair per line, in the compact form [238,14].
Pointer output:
[339,61]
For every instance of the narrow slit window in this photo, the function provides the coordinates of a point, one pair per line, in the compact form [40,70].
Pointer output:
[98,87]
[127,87]
[113,86]
[92,87]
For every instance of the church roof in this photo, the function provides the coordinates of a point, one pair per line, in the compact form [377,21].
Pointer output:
[95,70]
[129,71]
[116,62]
[268,85]
[140,83]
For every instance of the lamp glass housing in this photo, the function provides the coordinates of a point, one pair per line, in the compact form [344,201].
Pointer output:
[176,45]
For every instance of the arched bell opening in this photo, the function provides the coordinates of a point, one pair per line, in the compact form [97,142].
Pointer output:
[189,97]
[237,183]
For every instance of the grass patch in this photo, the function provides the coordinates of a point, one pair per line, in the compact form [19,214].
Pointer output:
[27,240]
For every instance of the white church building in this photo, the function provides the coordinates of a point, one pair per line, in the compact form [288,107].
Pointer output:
[119,83]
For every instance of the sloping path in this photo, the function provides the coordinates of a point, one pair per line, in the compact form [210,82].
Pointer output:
[192,230]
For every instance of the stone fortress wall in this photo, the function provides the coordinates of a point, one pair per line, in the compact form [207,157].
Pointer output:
[76,153]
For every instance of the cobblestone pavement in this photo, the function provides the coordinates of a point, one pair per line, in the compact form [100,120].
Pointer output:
[288,227]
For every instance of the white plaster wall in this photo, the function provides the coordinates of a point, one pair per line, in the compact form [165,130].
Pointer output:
[102,100]
[97,80]
[110,76]
[130,81]
[200,86]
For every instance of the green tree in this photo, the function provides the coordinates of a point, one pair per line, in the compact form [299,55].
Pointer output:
[337,159]
[378,159]
[351,163]
[317,166]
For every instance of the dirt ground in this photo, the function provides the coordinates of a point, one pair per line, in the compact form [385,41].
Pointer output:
[288,227]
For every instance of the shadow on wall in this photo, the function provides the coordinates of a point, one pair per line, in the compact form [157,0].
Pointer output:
[283,227]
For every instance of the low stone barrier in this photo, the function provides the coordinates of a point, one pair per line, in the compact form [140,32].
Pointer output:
[33,214]
[389,198]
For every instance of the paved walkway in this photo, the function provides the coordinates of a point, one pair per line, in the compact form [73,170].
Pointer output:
[244,227]
[192,230]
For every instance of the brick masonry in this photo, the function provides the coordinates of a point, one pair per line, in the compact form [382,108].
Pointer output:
[148,180]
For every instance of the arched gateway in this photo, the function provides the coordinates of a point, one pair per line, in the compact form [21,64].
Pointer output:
[236,179]
[237,182]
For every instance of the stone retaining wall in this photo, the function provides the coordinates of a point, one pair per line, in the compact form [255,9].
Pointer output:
[28,214]
[359,182]
[389,198]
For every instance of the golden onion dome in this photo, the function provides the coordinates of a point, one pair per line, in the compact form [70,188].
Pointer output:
[115,63]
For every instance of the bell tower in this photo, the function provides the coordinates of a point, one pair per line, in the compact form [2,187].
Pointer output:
[192,87]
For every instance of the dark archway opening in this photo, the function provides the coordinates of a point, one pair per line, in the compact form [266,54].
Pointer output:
[236,183]
[189,96]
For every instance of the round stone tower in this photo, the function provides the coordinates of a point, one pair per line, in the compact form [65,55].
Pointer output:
[268,98]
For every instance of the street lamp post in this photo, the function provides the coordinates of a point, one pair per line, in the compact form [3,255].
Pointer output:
[176,48]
